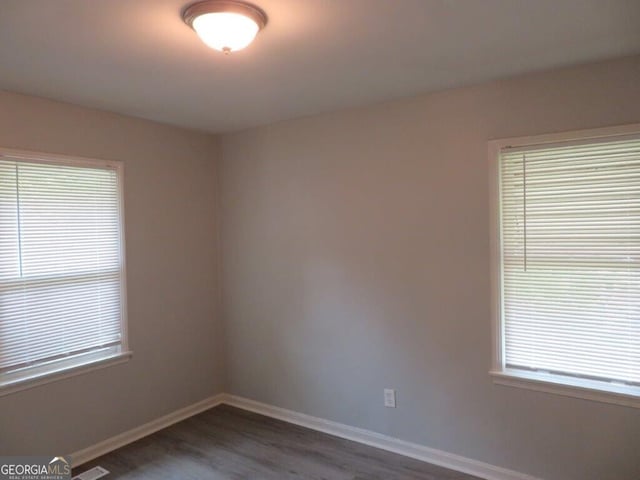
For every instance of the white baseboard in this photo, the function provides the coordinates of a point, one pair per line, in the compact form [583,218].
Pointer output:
[378,440]
[367,437]
[122,439]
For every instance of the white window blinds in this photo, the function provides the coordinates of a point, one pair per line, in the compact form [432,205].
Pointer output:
[60,264]
[570,224]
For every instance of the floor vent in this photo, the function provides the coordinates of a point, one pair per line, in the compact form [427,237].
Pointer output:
[92,474]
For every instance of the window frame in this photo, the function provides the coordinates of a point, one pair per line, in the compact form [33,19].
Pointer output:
[14,381]
[600,391]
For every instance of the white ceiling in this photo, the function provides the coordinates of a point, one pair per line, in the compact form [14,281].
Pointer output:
[137,57]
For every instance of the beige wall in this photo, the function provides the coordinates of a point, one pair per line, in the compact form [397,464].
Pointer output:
[356,257]
[171,245]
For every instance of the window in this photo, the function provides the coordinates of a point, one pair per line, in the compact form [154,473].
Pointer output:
[62,295]
[567,257]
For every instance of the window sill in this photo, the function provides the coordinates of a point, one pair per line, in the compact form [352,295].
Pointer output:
[626,395]
[15,385]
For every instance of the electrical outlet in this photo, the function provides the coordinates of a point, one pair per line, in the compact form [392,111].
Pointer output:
[389,398]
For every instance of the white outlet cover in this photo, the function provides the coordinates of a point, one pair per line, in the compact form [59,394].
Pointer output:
[389,398]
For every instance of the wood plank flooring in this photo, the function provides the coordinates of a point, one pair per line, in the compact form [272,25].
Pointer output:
[226,443]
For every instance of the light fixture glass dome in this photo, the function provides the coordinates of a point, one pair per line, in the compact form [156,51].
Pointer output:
[224,31]
[225,25]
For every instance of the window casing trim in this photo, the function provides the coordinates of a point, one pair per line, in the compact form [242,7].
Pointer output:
[14,382]
[594,390]
[35,379]
[600,391]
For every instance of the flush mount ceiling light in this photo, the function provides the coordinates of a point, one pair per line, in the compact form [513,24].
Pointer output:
[225,25]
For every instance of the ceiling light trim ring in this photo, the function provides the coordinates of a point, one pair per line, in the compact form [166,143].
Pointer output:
[193,11]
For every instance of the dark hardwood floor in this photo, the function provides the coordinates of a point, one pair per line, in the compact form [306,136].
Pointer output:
[226,443]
